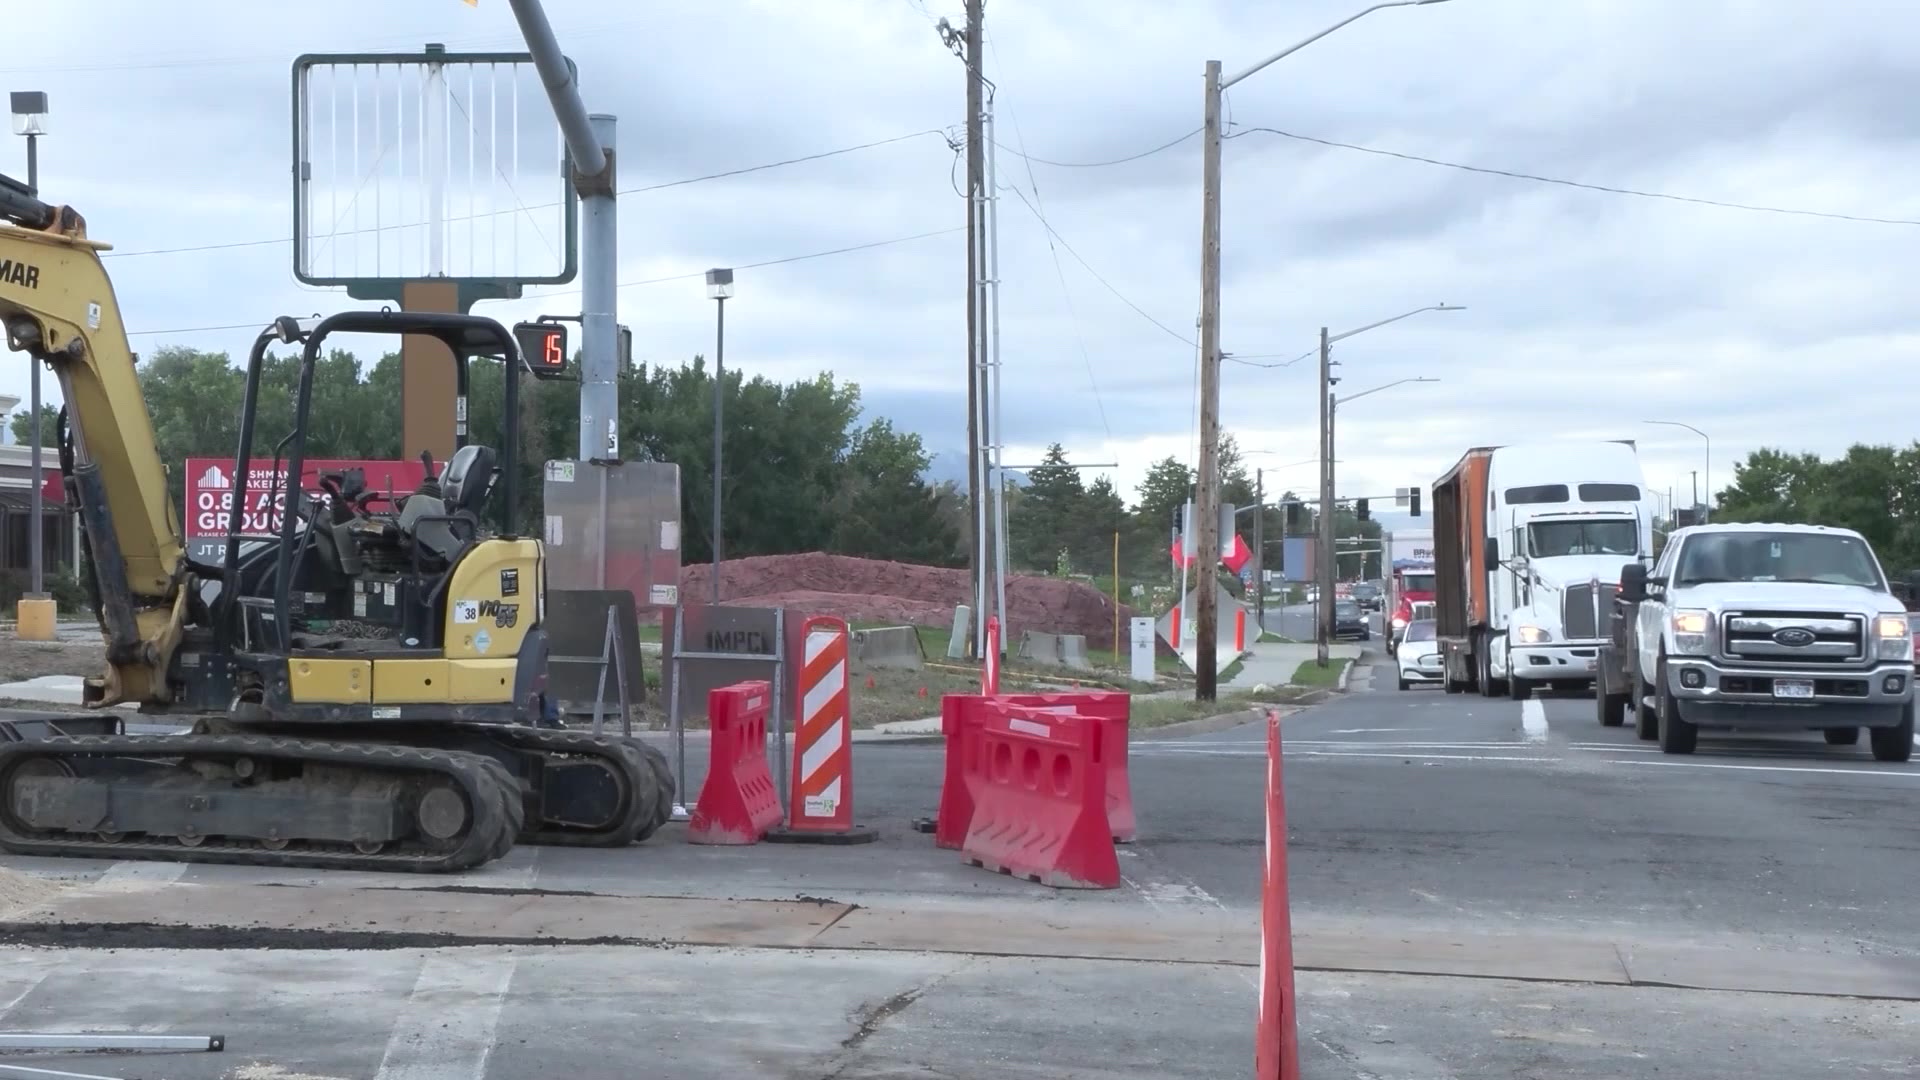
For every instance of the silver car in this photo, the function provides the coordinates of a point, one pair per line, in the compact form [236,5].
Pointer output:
[1419,654]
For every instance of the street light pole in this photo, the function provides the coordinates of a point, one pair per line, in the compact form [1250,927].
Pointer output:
[1332,405]
[29,110]
[1207,495]
[1706,512]
[719,286]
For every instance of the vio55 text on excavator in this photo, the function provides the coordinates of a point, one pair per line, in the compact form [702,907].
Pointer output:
[367,686]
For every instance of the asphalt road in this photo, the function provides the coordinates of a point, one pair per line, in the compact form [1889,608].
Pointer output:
[1296,621]
[1416,818]
[1459,811]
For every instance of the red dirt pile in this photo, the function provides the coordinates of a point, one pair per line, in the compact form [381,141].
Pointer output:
[873,590]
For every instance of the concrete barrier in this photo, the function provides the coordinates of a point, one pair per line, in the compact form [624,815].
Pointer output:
[1073,652]
[1040,647]
[962,630]
[889,647]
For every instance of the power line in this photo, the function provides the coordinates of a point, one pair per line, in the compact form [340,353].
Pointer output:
[1066,294]
[849,249]
[1248,361]
[725,174]
[1605,188]
[1168,145]
[1122,297]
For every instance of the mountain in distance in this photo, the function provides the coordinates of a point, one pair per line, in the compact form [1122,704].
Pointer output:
[945,465]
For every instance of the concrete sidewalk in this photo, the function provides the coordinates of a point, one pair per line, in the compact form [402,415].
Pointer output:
[1273,663]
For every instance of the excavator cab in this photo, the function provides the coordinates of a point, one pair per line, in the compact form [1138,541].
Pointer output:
[426,607]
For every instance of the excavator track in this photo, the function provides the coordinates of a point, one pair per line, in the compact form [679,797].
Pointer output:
[255,800]
[598,790]
[663,780]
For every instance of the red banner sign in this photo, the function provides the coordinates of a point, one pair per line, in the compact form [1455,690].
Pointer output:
[211,487]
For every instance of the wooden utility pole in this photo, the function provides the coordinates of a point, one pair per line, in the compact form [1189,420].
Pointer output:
[976,490]
[1207,485]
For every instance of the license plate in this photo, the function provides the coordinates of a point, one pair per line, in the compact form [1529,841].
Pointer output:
[1793,688]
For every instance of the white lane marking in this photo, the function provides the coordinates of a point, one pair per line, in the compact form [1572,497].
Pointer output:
[1375,743]
[1167,887]
[445,1031]
[1533,720]
[1374,730]
[24,1070]
[1425,756]
[1905,774]
[143,873]
[8,999]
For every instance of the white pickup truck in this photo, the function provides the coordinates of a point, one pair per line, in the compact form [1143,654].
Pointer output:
[1760,627]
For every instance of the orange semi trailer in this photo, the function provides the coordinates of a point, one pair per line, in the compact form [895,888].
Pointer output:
[1460,601]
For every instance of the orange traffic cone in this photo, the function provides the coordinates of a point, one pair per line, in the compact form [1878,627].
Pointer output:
[869,682]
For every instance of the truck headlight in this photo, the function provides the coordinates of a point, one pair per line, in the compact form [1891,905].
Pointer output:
[1531,635]
[1398,622]
[1895,636]
[1690,631]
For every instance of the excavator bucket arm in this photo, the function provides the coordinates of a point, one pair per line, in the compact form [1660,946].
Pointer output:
[57,305]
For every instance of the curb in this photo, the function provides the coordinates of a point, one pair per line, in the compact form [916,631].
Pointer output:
[1206,725]
[1346,675]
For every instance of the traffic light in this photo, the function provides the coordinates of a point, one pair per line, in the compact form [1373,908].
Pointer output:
[1360,509]
[544,347]
[1296,518]
[1413,502]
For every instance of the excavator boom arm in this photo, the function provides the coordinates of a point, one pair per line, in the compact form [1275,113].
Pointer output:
[57,305]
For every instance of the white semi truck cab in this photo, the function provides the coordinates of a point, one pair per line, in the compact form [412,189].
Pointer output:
[1565,570]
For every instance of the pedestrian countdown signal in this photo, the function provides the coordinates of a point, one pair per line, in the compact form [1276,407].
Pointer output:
[544,347]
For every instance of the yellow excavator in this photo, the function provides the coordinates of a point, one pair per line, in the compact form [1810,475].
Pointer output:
[367,686]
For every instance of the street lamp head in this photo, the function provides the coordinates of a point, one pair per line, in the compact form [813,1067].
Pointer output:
[719,284]
[29,112]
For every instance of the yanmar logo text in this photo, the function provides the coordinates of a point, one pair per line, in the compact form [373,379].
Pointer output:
[23,274]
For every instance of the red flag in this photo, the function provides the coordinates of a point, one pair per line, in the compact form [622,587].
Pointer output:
[1239,556]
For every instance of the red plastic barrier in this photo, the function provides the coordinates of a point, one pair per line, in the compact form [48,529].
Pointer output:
[1040,800]
[1276,1045]
[959,716]
[1240,630]
[737,804]
[1114,711]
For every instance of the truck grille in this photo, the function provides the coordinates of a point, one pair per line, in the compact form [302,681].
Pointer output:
[1768,637]
[1577,611]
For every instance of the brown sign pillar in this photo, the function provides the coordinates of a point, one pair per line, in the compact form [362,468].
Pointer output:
[427,384]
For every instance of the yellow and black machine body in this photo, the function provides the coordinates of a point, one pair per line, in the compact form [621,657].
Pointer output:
[367,687]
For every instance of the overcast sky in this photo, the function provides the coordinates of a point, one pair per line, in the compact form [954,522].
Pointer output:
[1589,312]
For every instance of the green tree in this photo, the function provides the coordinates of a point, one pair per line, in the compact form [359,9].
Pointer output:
[1102,513]
[884,510]
[1874,490]
[1771,485]
[22,425]
[1050,512]
[1236,484]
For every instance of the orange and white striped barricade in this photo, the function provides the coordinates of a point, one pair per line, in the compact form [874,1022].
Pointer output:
[820,806]
[990,663]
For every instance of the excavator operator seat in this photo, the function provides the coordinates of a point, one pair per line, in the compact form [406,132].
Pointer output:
[468,479]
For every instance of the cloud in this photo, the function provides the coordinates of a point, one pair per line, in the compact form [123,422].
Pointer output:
[1588,312]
